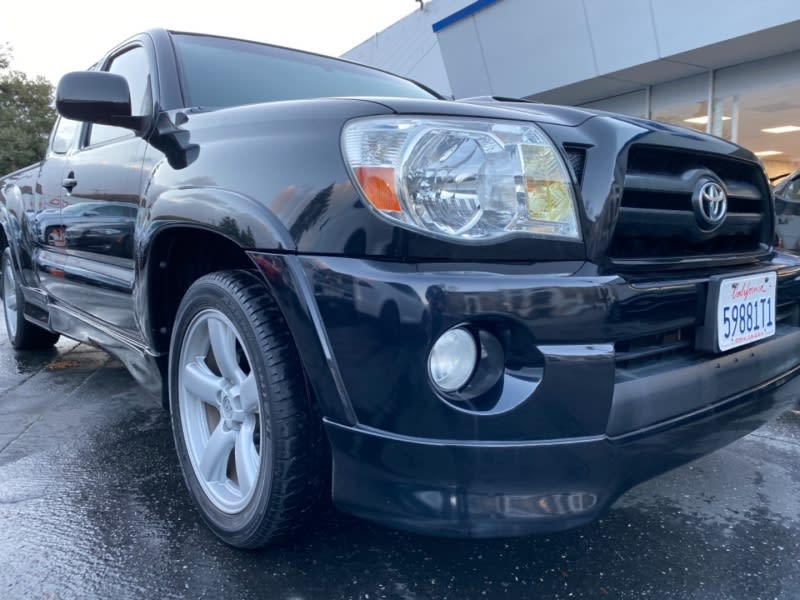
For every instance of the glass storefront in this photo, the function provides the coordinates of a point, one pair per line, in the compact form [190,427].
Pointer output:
[682,102]
[756,105]
[634,104]
[763,98]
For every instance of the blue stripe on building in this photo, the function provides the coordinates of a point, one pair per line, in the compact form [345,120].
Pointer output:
[468,10]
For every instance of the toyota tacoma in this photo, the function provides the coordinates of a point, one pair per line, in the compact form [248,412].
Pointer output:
[484,317]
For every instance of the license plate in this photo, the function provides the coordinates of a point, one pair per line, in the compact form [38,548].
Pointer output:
[745,310]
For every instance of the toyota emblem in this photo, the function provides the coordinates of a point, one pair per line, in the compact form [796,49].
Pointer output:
[710,203]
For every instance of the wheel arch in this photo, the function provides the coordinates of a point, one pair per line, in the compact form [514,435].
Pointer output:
[10,209]
[12,243]
[179,249]
[189,232]
[234,216]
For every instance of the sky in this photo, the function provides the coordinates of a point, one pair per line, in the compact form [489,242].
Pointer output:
[52,38]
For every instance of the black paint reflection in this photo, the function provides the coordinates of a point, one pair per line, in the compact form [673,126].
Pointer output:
[95,226]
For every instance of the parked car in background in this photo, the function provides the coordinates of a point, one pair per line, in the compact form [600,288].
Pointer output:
[105,227]
[477,318]
[787,211]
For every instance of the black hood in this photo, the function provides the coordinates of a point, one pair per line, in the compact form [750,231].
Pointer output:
[489,108]
[545,113]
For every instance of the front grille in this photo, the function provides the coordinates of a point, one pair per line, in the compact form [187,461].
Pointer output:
[657,219]
[654,347]
[787,312]
[637,352]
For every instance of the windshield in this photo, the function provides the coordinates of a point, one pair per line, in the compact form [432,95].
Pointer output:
[226,72]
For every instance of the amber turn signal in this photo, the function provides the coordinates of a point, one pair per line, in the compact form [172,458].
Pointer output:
[378,186]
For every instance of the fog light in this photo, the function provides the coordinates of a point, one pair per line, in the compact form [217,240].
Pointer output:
[452,360]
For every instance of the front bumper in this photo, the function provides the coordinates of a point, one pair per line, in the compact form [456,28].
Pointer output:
[486,489]
[541,456]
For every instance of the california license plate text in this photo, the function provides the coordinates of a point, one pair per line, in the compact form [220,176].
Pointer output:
[746,310]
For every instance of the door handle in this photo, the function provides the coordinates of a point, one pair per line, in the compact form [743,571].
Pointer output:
[69,183]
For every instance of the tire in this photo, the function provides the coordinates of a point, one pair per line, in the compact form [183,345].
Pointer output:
[22,334]
[249,438]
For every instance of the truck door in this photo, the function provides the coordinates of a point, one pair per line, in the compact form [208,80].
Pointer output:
[102,185]
[43,258]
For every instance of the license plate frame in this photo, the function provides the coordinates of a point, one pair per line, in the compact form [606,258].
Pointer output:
[754,294]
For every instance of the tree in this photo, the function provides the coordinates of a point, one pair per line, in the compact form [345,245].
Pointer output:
[26,116]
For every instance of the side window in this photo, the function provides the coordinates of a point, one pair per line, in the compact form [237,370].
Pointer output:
[63,135]
[131,64]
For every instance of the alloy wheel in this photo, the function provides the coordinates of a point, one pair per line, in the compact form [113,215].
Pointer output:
[220,411]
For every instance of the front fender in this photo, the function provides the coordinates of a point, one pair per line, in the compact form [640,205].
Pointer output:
[249,225]
[292,292]
[243,220]
[234,216]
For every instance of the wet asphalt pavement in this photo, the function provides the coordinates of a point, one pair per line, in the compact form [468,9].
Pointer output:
[92,505]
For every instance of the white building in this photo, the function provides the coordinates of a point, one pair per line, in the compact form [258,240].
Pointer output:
[669,60]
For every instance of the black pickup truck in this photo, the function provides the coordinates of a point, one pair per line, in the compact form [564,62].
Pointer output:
[482,317]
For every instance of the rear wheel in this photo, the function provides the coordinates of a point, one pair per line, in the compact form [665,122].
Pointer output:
[249,441]
[22,334]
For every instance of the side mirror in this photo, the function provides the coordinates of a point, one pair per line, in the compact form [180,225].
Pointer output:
[96,97]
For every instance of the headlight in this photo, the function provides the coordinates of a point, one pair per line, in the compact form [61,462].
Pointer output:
[462,179]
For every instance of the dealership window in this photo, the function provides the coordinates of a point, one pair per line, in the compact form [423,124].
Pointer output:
[682,102]
[755,104]
[761,102]
[633,104]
